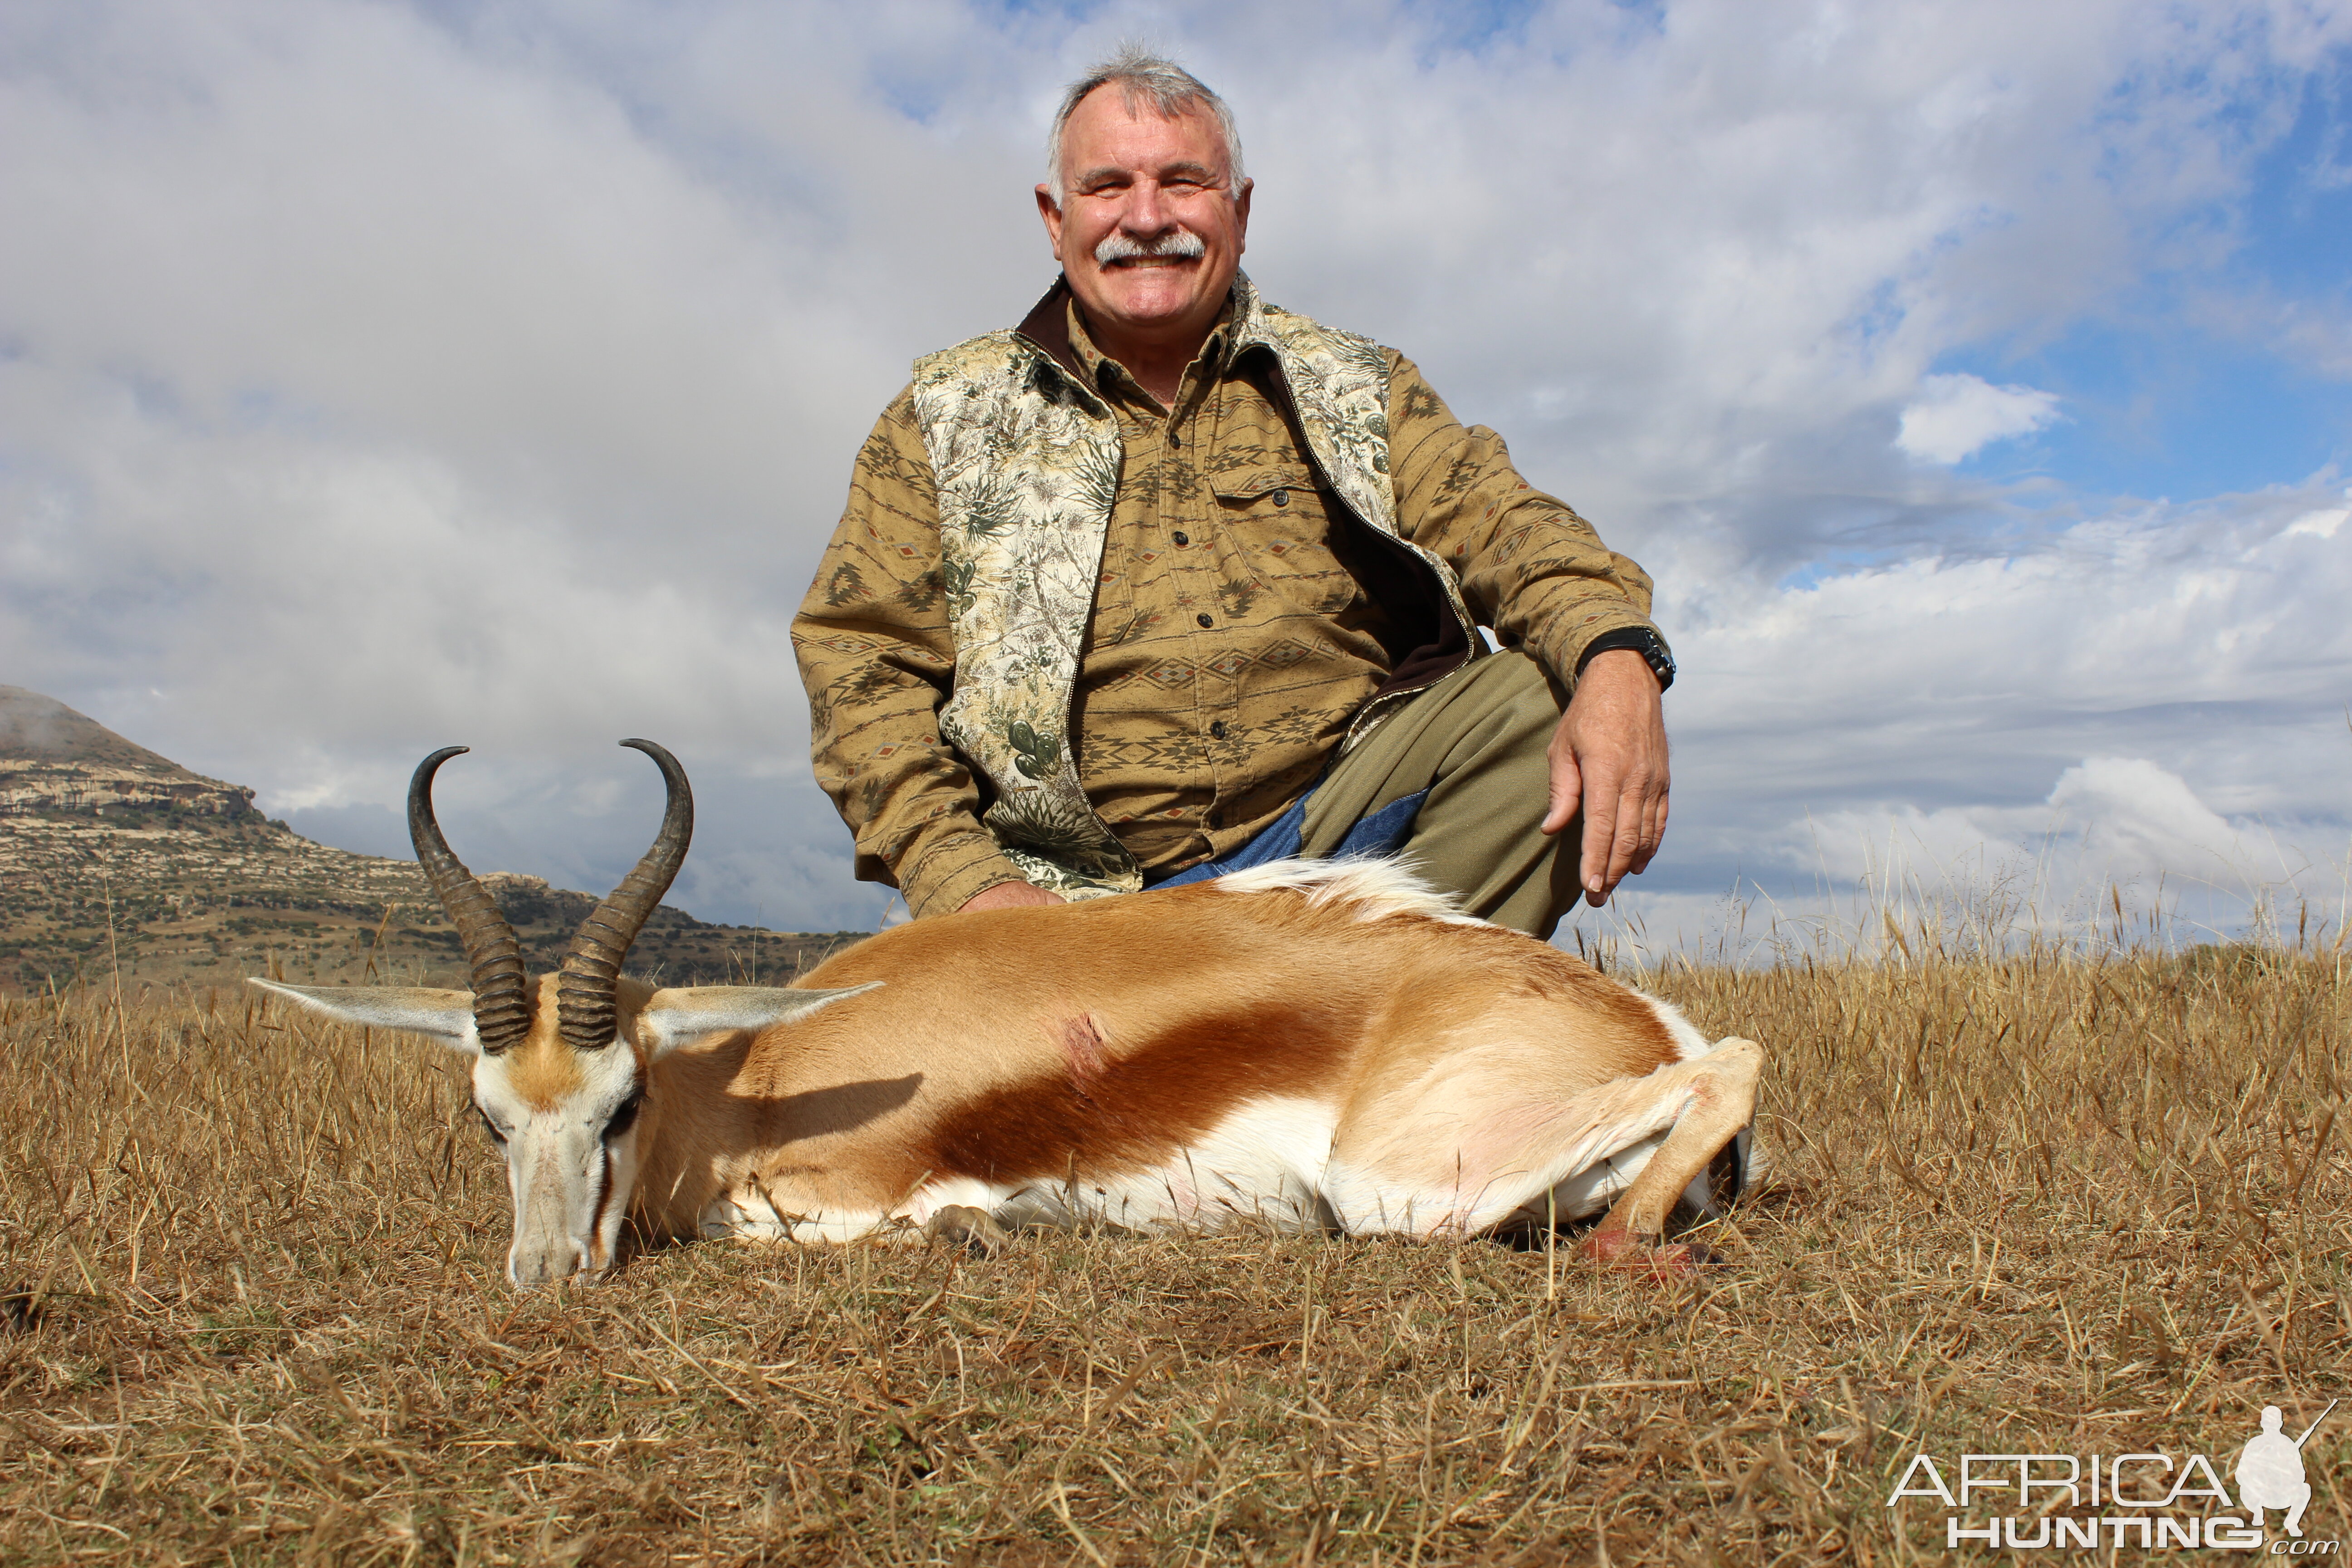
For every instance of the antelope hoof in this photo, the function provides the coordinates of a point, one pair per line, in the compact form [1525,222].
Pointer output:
[1636,1254]
[959,1224]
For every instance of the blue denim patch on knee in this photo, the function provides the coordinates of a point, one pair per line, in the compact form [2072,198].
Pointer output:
[1372,838]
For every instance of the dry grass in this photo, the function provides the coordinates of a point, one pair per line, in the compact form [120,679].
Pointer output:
[2042,1204]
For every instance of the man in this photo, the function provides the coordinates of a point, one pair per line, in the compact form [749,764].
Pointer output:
[2270,1471]
[1169,581]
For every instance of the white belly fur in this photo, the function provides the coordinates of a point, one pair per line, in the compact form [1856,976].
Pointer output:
[1269,1163]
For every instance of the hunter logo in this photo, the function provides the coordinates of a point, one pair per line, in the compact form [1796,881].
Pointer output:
[2151,1499]
[2270,1470]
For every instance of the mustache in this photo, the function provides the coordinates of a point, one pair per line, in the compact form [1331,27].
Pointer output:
[1180,243]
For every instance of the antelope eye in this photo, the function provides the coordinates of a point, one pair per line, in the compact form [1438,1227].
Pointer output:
[490,1127]
[626,1116]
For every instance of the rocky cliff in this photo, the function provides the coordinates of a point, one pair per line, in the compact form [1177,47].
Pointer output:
[118,865]
[54,758]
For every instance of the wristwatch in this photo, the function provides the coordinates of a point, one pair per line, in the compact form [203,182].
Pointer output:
[1642,640]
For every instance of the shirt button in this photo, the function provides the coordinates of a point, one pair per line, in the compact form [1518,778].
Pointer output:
[1282,497]
[1206,619]
[1216,818]
[1174,439]
[1181,537]
[1218,730]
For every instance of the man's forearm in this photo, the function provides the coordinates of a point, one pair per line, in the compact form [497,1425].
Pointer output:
[877,658]
[950,872]
[907,798]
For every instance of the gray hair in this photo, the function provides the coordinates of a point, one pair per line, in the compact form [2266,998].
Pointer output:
[1143,77]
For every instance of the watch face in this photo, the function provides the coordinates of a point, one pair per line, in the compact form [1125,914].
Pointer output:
[1661,663]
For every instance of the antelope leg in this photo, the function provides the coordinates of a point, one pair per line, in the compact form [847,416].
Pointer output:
[959,1225]
[1722,1088]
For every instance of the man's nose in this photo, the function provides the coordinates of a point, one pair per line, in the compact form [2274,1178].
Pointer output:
[1148,212]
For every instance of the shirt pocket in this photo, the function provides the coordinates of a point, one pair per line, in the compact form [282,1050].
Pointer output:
[1278,524]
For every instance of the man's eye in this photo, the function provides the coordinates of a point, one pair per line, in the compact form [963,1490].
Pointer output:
[625,1117]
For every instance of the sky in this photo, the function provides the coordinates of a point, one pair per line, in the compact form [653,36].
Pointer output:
[1975,380]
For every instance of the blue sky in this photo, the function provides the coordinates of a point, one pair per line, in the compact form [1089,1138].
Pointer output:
[1976,380]
[2191,383]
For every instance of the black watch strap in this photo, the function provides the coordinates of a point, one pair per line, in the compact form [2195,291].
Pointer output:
[1641,640]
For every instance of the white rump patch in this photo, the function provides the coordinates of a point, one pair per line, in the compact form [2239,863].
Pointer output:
[1689,1044]
[1379,889]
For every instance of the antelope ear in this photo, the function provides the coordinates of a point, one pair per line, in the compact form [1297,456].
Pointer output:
[446,1016]
[671,1017]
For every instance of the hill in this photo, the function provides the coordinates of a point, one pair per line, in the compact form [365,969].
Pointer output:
[54,758]
[116,862]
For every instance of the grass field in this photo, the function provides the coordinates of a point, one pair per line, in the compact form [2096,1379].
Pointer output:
[251,1310]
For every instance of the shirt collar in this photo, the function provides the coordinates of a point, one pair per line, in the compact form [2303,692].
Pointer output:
[1106,375]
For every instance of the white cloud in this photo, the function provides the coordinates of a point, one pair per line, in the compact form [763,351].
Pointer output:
[1955,416]
[2119,848]
[2154,701]
[2134,817]
[376,376]
[2108,819]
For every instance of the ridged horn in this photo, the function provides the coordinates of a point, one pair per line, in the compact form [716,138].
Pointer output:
[501,989]
[586,1008]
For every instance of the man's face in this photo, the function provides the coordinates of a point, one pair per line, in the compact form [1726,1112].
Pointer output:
[1144,181]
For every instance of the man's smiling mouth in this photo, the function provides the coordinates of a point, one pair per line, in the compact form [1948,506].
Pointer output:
[1177,248]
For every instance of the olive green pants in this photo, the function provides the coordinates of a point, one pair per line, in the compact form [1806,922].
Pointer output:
[1478,741]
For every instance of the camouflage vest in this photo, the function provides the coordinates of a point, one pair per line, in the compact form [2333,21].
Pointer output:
[1027,464]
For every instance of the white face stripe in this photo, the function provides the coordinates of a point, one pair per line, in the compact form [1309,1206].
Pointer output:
[570,1185]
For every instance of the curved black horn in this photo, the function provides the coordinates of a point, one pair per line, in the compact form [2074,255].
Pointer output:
[584,1002]
[502,995]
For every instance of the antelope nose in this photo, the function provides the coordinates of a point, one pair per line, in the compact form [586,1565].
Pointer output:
[533,1267]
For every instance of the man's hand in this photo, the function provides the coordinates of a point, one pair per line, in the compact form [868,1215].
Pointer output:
[1609,755]
[1009,895]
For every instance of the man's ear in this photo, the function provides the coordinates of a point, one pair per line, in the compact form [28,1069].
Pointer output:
[445,1016]
[681,1013]
[1051,211]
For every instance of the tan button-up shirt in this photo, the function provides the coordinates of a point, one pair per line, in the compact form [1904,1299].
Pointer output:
[1241,619]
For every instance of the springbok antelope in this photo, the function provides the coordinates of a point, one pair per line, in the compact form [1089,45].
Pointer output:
[1325,1044]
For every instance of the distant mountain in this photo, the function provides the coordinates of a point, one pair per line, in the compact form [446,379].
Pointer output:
[120,864]
[54,758]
